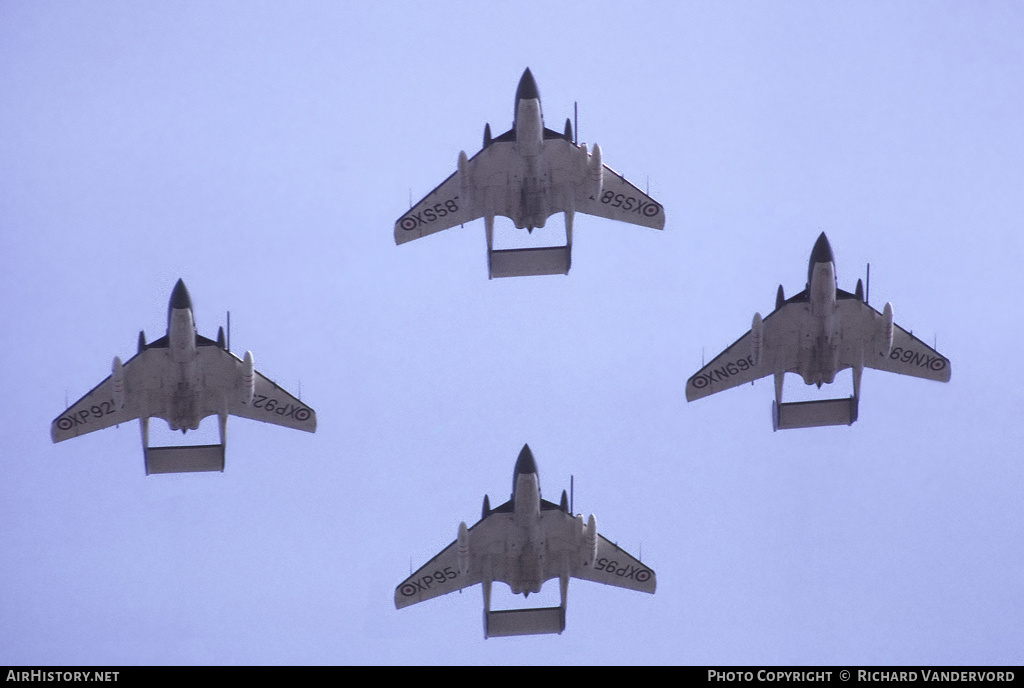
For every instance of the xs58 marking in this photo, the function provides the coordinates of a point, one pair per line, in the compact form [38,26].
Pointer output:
[429,214]
[630,203]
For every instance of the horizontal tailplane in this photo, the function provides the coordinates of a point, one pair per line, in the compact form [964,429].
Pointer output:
[194,459]
[521,262]
[537,621]
[812,414]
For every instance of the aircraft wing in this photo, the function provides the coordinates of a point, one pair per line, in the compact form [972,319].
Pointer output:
[908,356]
[731,368]
[437,577]
[443,208]
[272,404]
[614,566]
[97,410]
[735,366]
[911,356]
[620,200]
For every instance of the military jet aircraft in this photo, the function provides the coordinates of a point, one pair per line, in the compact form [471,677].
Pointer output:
[528,174]
[182,378]
[523,543]
[817,333]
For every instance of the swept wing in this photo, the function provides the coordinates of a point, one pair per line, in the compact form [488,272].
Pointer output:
[616,566]
[862,342]
[219,374]
[97,409]
[439,576]
[485,181]
[272,404]
[908,355]
[620,200]
[445,207]
[735,366]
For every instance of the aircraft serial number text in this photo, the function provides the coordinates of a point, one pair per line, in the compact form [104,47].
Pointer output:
[702,380]
[272,405]
[423,584]
[630,203]
[919,359]
[628,571]
[104,408]
[429,214]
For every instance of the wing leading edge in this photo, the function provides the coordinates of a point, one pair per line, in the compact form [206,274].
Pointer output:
[862,329]
[615,566]
[437,577]
[97,409]
[484,181]
[443,208]
[737,365]
[143,394]
[908,354]
[621,200]
[441,575]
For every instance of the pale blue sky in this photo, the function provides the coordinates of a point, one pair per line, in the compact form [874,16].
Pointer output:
[262,152]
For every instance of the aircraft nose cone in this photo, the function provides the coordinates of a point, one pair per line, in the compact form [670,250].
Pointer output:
[527,87]
[179,297]
[525,463]
[822,252]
